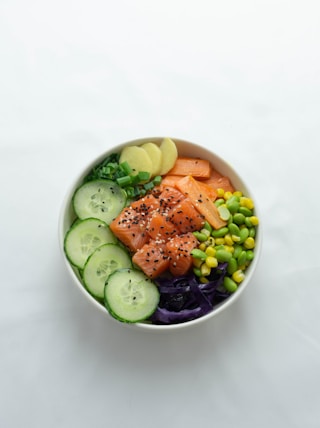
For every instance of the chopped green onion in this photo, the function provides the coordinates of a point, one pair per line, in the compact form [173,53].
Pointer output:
[143,175]
[157,180]
[124,181]
[149,186]
[126,168]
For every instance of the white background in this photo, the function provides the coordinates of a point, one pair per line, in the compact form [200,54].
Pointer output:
[241,77]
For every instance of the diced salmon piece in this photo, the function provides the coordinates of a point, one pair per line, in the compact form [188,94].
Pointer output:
[186,217]
[169,197]
[130,225]
[152,259]
[178,250]
[130,228]
[160,228]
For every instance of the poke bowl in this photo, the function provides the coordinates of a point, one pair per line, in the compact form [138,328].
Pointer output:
[160,233]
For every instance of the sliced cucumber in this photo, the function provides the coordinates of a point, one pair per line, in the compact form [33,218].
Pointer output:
[130,296]
[104,261]
[84,237]
[103,199]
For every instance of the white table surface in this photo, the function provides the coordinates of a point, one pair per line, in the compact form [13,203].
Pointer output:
[240,77]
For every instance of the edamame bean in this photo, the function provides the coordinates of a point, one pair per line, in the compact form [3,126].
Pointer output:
[208,227]
[197,271]
[198,254]
[234,229]
[223,255]
[248,221]
[244,233]
[252,232]
[242,258]
[229,284]
[245,211]
[239,218]
[233,204]
[219,233]
[224,213]
[250,255]
[237,251]
[200,236]
[232,266]
[219,202]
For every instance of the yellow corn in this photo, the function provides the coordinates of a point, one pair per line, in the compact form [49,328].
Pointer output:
[227,195]
[220,241]
[203,280]
[229,248]
[238,276]
[254,220]
[249,243]
[210,251]
[205,269]
[237,193]
[246,202]
[211,262]
[220,192]
[228,239]
[202,246]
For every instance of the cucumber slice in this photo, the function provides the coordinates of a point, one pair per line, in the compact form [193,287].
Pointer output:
[103,262]
[84,237]
[102,199]
[130,296]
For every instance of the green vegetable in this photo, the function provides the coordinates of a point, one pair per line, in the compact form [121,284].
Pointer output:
[135,185]
[102,263]
[229,284]
[130,296]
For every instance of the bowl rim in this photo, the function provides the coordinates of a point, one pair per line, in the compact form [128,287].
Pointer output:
[234,177]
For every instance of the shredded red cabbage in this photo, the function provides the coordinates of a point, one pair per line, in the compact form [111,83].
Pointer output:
[184,298]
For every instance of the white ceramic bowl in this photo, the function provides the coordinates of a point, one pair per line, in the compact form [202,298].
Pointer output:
[185,148]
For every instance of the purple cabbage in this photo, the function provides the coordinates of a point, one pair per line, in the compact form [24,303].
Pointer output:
[184,298]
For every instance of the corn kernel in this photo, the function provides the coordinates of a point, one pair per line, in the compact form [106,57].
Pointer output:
[228,239]
[254,220]
[220,241]
[249,243]
[238,276]
[237,193]
[220,192]
[242,267]
[246,202]
[203,280]
[227,195]
[211,262]
[205,269]
[229,248]
[210,251]
[202,246]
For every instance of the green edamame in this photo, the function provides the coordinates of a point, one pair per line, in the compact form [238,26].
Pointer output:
[223,255]
[229,284]
[220,233]
[234,229]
